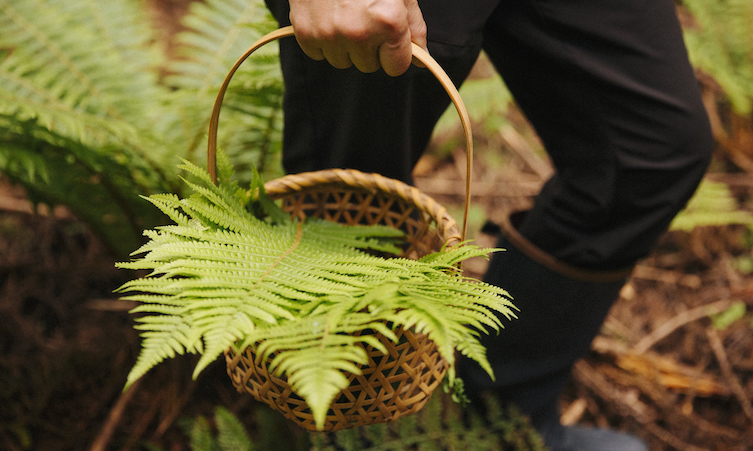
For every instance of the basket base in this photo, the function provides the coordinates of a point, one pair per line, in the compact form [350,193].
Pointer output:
[391,385]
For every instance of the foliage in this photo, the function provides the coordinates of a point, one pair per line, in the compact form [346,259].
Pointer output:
[725,319]
[711,205]
[440,425]
[223,277]
[231,434]
[87,121]
[487,100]
[720,43]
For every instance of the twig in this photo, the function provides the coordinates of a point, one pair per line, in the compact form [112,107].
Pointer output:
[589,377]
[113,418]
[678,321]
[660,370]
[9,442]
[665,276]
[109,305]
[19,205]
[574,412]
[721,356]
[140,427]
[541,166]
[520,186]
[16,205]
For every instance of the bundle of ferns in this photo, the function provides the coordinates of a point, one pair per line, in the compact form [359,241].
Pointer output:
[236,271]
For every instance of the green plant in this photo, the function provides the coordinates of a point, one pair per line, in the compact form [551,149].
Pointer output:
[711,205]
[87,121]
[720,43]
[236,271]
[231,434]
[440,426]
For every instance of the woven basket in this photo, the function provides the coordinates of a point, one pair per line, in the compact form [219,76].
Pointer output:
[401,381]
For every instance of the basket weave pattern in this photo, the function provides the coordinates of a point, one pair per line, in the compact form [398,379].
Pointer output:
[391,385]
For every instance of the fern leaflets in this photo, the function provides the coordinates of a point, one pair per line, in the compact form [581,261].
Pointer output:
[297,291]
[720,42]
[87,119]
[712,205]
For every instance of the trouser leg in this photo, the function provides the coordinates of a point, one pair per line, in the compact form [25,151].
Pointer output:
[608,87]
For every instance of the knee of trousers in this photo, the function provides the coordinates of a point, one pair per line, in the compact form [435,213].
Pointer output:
[607,213]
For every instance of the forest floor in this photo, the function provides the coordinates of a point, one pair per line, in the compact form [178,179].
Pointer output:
[672,364]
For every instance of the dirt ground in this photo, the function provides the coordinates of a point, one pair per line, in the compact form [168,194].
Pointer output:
[659,369]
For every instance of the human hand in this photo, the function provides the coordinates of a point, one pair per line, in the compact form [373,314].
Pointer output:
[368,34]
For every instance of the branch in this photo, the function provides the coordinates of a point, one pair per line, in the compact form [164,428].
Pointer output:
[116,413]
[678,321]
[721,356]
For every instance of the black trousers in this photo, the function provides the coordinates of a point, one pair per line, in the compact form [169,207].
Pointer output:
[606,84]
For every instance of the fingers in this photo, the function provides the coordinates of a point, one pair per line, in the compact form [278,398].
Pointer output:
[395,58]
[417,27]
[369,37]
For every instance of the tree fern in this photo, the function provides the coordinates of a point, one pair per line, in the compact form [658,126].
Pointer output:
[296,291]
[87,122]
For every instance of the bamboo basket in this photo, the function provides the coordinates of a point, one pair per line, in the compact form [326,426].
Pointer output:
[394,384]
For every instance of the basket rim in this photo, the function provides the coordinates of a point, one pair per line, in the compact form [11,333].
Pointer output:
[355,180]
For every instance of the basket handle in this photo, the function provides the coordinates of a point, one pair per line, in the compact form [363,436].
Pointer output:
[419,53]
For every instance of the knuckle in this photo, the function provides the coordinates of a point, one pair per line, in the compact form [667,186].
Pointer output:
[390,19]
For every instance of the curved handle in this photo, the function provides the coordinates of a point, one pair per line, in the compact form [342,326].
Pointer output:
[419,53]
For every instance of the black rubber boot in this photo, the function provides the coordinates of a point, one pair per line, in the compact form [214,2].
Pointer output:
[561,310]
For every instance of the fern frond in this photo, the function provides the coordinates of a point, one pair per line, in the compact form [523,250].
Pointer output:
[165,337]
[75,67]
[219,32]
[721,44]
[86,121]
[711,205]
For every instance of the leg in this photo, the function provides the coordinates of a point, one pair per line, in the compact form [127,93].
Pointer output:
[608,87]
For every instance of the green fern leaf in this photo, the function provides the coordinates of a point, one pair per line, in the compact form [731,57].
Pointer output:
[87,121]
[711,205]
[232,435]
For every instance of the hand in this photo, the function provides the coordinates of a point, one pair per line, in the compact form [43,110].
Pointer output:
[368,34]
